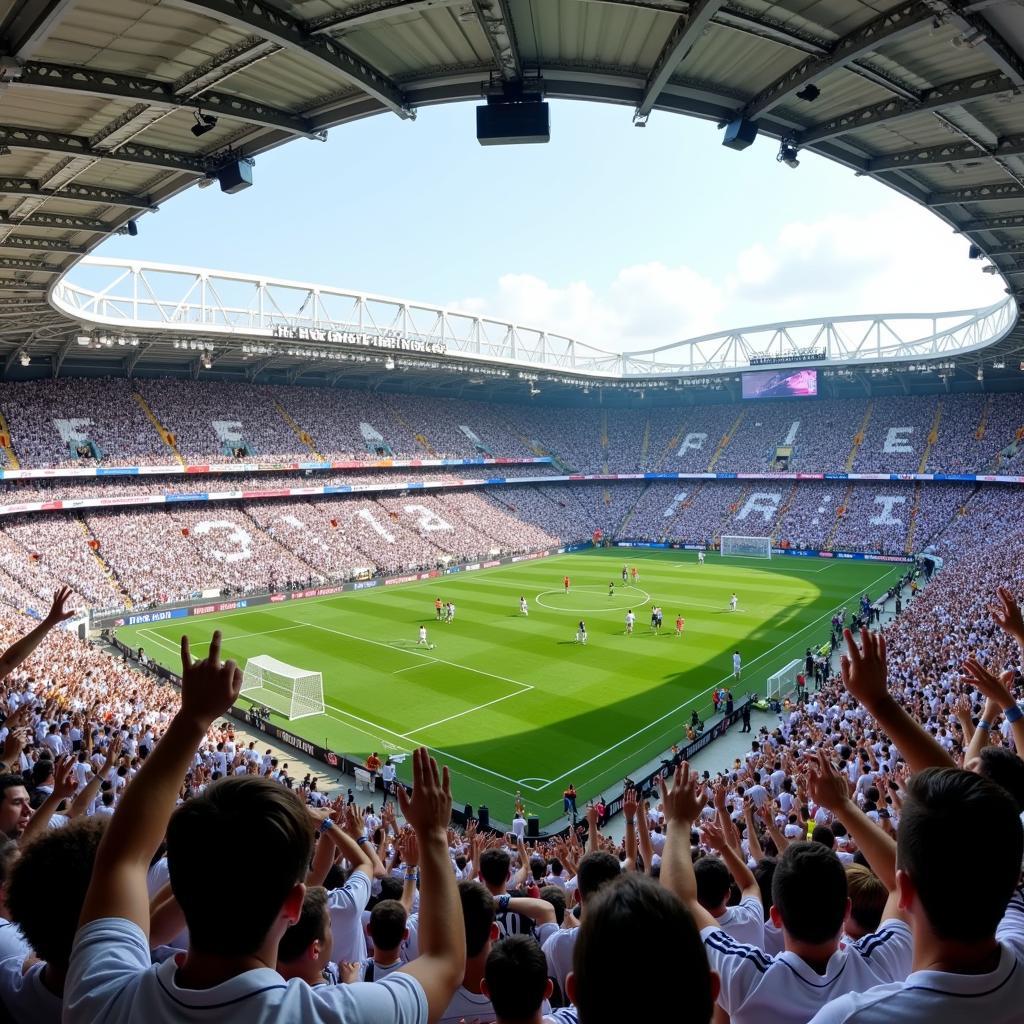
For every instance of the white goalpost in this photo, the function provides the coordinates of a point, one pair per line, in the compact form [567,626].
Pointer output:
[294,692]
[748,547]
[782,682]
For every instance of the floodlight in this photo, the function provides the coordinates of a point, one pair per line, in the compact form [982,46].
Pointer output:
[204,123]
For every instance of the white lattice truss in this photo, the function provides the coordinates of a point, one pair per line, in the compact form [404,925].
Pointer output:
[231,308]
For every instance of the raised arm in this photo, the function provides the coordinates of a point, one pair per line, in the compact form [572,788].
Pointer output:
[1009,618]
[593,833]
[442,939]
[81,802]
[983,734]
[63,789]
[643,832]
[720,839]
[629,809]
[683,804]
[997,691]
[411,856]
[21,649]
[864,676]
[756,851]
[118,884]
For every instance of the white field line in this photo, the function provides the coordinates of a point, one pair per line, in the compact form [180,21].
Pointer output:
[725,678]
[227,639]
[410,668]
[159,640]
[468,711]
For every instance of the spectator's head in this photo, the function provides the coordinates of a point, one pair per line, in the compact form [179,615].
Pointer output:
[944,812]
[868,896]
[15,809]
[824,835]
[516,979]
[595,870]
[554,895]
[478,917]
[305,948]
[387,929]
[1002,766]
[635,913]
[713,884]
[809,894]
[494,869]
[42,772]
[277,826]
[48,885]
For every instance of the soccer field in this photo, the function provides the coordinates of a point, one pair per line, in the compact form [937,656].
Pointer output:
[512,702]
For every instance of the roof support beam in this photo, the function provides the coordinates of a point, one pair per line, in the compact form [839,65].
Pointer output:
[222,65]
[92,194]
[1011,249]
[17,137]
[682,39]
[991,43]
[950,94]
[977,194]
[93,82]
[370,11]
[496,21]
[274,25]
[947,153]
[32,25]
[1010,220]
[30,266]
[60,221]
[46,244]
[886,28]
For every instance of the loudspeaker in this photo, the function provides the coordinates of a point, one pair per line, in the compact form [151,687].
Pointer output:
[739,134]
[467,811]
[505,124]
[235,176]
[532,827]
[81,631]
[483,818]
[133,228]
[973,253]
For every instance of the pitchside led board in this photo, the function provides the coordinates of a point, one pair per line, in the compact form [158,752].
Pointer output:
[781,384]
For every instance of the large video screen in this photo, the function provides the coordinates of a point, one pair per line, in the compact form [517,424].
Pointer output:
[780,384]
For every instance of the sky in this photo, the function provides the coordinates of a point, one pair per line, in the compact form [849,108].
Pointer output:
[620,237]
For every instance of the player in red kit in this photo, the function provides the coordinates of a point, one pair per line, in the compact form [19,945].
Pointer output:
[565,583]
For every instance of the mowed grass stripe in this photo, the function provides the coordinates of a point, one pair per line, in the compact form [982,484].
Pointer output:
[590,710]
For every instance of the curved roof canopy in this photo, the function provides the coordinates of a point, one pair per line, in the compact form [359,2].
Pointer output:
[110,107]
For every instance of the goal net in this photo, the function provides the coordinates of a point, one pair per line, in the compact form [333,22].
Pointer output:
[293,692]
[784,681]
[749,547]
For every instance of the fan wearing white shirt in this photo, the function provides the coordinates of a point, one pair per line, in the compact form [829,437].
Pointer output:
[111,979]
[743,922]
[968,932]
[516,981]
[388,932]
[305,949]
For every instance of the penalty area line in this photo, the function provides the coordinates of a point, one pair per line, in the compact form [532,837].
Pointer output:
[468,711]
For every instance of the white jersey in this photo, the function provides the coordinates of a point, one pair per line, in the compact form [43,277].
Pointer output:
[522,605]
[785,990]
[733,601]
[630,619]
[939,997]
[736,663]
[700,557]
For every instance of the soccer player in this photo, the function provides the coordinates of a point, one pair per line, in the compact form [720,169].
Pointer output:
[700,557]
[733,601]
[524,608]
[565,583]
[630,619]
[625,573]
[581,632]
[611,588]
[660,615]
[654,618]
[736,664]
[437,608]
[451,611]
[680,625]
[422,642]
[634,575]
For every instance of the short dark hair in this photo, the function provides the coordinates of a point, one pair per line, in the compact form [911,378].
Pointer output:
[494,867]
[868,896]
[554,895]
[273,822]
[1005,768]
[595,869]
[477,915]
[824,835]
[634,912]
[764,874]
[391,888]
[48,884]
[713,882]
[9,781]
[387,924]
[809,890]
[517,976]
[944,811]
[313,923]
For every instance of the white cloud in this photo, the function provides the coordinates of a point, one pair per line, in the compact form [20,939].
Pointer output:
[899,259]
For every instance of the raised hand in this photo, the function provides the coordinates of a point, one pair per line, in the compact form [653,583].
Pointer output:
[64,782]
[992,688]
[685,801]
[630,803]
[409,849]
[208,687]
[1008,615]
[829,787]
[113,752]
[429,808]
[864,668]
[14,744]
[715,835]
[57,612]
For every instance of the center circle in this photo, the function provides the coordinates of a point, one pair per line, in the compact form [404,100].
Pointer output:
[563,602]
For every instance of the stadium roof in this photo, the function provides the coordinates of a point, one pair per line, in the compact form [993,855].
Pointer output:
[108,106]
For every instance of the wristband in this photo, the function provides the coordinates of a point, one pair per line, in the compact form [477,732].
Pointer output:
[1014,713]
[412,876]
[325,826]
[362,839]
[984,725]
[503,902]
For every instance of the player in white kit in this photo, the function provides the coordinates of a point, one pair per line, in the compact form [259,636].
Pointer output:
[524,608]
[736,664]
[700,557]
[423,637]
[733,601]
[630,619]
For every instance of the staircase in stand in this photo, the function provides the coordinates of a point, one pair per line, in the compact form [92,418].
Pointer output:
[858,438]
[908,548]
[165,435]
[604,441]
[7,444]
[724,443]
[301,434]
[420,438]
[95,552]
[645,445]
[933,436]
[979,433]
[673,443]
[839,518]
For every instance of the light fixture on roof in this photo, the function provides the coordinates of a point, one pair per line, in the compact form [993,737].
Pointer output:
[389,363]
[809,93]
[788,153]
[969,39]
[999,364]
[981,373]
[204,123]
[84,340]
[24,359]
[990,268]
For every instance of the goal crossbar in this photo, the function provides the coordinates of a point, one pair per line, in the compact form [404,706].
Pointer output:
[748,547]
[784,681]
[291,691]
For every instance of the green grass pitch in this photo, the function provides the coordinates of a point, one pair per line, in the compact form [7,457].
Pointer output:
[511,702]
